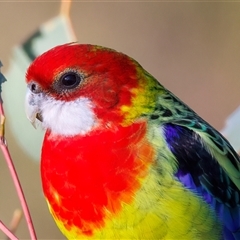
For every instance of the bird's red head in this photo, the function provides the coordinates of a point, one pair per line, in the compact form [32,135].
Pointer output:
[73,72]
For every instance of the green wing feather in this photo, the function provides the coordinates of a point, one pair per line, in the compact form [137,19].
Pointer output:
[170,109]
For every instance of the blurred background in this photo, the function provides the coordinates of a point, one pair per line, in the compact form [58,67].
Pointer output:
[192,48]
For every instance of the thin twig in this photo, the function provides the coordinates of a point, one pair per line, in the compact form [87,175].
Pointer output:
[7,156]
[7,232]
[17,216]
[65,7]
[17,185]
[65,12]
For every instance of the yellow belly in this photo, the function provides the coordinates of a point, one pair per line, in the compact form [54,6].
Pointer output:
[160,211]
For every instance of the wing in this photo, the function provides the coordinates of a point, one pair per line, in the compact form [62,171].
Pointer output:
[207,163]
[199,149]
[200,171]
[195,158]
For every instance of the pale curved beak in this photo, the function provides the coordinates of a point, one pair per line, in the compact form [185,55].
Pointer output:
[32,107]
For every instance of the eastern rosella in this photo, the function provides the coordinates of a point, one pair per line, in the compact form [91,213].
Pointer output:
[124,158]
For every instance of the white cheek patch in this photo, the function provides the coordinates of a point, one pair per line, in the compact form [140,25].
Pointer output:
[67,118]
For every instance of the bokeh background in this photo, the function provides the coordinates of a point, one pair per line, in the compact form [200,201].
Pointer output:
[192,48]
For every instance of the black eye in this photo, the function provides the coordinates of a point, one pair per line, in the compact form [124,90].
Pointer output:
[70,80]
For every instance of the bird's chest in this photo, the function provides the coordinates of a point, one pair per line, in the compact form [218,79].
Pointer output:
[90,181]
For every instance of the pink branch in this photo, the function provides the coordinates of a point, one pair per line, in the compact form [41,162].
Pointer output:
[18,187]
[14,175]
[7,232]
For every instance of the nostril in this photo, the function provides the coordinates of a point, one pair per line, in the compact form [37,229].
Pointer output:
[34,87]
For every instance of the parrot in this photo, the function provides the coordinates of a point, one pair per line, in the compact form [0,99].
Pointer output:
[122,156]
